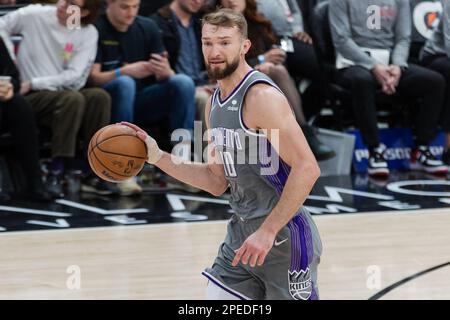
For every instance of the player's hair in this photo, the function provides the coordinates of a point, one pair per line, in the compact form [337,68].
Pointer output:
[227,18]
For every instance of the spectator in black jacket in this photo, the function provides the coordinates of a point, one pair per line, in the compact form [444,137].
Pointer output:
[132,66]
[17,117]
[180,26]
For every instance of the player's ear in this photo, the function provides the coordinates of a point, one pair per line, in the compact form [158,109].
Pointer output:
[246,45]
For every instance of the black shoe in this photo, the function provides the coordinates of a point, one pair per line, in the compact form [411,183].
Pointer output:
[54,185]
[99,186]
[320,150]
[377,166]
[41,192]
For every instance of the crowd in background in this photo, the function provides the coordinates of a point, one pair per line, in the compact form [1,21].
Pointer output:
[121,66]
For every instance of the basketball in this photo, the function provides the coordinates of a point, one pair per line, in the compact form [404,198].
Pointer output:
[116,154]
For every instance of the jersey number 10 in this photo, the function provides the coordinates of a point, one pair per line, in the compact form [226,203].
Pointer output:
[228,164]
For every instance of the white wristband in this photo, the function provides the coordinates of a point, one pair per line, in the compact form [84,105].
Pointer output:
[153,151]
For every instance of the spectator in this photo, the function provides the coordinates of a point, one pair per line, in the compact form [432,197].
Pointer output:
[371,58]
[18,118]
[269,59]
[436,56]
[54,60]
[288,24]
[180,25]
[132,65]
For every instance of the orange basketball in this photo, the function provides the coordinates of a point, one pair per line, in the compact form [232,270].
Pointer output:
[115,153]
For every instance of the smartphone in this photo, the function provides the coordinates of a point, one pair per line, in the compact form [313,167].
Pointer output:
[161,54]
[287,45]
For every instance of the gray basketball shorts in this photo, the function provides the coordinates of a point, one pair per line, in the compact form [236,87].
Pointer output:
[289,270]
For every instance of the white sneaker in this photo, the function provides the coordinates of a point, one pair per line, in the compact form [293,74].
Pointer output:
[423,159]
[378,166]
[129,187]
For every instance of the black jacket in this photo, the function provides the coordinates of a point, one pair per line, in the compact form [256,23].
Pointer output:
[136,44]
[171,38]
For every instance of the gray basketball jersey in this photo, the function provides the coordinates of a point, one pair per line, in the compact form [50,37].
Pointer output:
[257,177]
[255,173]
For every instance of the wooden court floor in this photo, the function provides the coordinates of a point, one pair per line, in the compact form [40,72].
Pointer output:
[363,254]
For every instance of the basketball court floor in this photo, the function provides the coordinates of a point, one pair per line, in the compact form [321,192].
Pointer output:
[382,240]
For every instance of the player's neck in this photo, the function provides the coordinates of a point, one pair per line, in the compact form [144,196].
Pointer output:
[228,84]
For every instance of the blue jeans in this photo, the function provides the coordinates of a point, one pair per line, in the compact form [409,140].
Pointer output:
[122,91]
[173,98]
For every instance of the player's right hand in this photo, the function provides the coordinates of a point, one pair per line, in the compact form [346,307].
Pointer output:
[153,151]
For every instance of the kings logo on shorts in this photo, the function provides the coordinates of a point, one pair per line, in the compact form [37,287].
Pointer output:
[300,284]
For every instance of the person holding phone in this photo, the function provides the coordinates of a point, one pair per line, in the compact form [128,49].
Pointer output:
[133,66]
[17,118]
[180,25]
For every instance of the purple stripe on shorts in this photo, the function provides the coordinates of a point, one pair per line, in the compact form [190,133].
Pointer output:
[302,242]
[302,251]
[301,248]
[314,295]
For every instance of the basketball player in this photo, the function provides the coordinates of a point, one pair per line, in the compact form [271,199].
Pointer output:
[272,247]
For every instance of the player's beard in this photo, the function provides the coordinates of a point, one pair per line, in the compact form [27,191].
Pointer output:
[219,74]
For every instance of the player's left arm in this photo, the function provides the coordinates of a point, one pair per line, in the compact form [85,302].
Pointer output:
[266,108]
